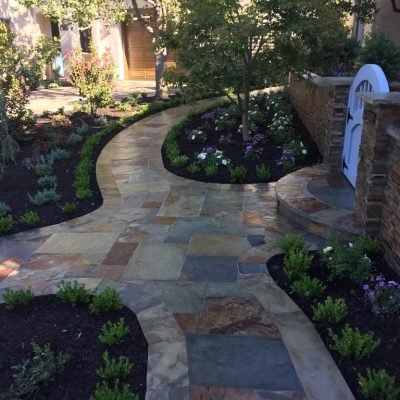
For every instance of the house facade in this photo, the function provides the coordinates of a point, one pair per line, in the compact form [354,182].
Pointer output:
[129,43]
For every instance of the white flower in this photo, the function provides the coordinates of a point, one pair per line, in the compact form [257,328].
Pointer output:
[304,151]
[202,156]
[216,128]
[327,249]
[350,244]
[301,144]
[366,258]
[219,156]
[226,115]
[193,137]
[240,126]
[224,162]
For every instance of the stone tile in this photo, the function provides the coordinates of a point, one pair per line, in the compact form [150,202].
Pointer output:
[167,365]
[235,316]
[256,240]
[252,267]
[227,289]
[187,322]
[218,245]
[308,205]
[151,204]
[163,220]
[218,361]
[22,250]
[156,261]
[128,189]
[219,393]
[120,254]
[67,243]
[183,229]
[160,329]
[181,205]
[169,394]
[252,218]
[209,269]
[93,271]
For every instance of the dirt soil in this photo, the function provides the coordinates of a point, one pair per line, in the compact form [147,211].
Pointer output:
[386,328]
[73,331]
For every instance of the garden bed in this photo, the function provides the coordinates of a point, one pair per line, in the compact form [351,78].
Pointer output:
[209,145]
[54,132]
[359,315]
[74,332]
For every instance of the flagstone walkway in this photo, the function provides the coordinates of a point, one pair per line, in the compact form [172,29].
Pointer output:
[189,259]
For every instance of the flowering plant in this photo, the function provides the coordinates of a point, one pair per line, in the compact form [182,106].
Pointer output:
[210,155]
[252,149]
[300,151]
[225,139]
[287,155]
[197,136]
[384,296]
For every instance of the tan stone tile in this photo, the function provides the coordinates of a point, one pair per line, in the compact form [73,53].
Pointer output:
[164,220]
[218,245]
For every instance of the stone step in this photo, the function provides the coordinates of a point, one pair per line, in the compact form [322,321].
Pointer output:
[320,201]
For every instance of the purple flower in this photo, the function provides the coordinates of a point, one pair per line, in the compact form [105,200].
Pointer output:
[379,278]
[208,115]
[366,287]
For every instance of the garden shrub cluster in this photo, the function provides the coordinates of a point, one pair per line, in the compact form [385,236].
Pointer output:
[42,367]
[349,262]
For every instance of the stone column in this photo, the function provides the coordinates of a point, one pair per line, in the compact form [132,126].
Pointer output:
[381,115]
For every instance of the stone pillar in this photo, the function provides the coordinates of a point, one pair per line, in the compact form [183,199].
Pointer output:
[382,112]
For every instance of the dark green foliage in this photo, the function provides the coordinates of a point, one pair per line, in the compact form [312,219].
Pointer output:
[352,344]
[30,218]
[17,298]
[39,369]
[74,293]
[105,392]
[263,172]
[60,154]
[211,169]
[107,300]
[43,197]
[382,50]
[238,174]
[288,166]
[68,208]
[193,168]
[308,287]
[378,385]
[330,311]
[113,333]
[6,224]
[296,263]
[47,181]
[179,161]
[4,209]
[114,369]
[292,242]
[42,169]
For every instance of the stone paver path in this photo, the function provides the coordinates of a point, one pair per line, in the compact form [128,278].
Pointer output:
[189,259]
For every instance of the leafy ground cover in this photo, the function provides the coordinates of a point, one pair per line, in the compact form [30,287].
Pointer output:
[208,145]
[53,176]
[353,298]
[70,346]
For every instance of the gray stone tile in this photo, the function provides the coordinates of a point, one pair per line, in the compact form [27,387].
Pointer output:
[251,268]
[209,269]
[240,362]
[256,240]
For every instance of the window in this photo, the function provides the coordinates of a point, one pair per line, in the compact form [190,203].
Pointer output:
[55,29]
[86,37]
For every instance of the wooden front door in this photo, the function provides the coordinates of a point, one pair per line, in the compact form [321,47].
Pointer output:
[139,52]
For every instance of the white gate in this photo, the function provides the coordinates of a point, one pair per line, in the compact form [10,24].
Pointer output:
[370,78]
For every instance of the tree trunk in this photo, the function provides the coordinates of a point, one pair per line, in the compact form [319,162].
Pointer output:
[245,110]
[161,57]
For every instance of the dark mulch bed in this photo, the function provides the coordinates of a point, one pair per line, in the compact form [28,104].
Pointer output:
[235,151]
[18,181]
[386,328]
[73,331]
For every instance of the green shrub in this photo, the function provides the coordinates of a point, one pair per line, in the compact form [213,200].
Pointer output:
[17,298]
[292,242]
[296,263]
[263,172]
[172,150]
[6,224]
[45,196]
[74,293]
[122,106]
[60,154]
[238,174]
[366,244]
[378,385]
[74,138]
[30,218]
[83,128]
[308,287]
[193,168]
[211,170]
[104,392]
[113,333]
[330,311]
[47,181]
[352,344]
[53,85]
[107,300]
[68,208]
[180,161]
[4,209]
[102,120]
[42,169]
[288,166]
[114,369]
[38,370]
[382,50]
